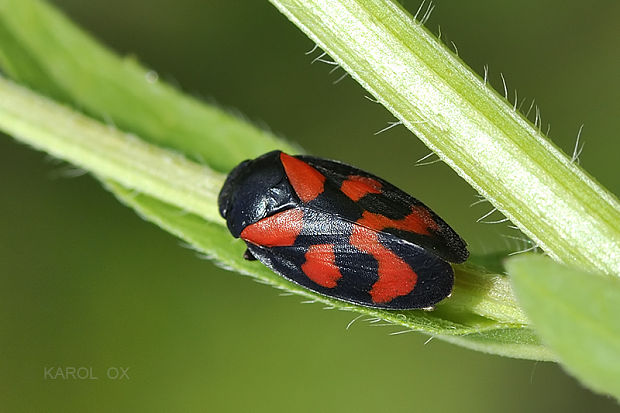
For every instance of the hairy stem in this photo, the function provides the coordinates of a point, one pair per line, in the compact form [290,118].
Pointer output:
[468,125]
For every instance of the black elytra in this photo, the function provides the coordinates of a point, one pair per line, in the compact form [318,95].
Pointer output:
[340,231]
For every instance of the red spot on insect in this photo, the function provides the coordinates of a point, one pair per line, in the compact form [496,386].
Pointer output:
[320,265]
[279,230]
[396,278]
[421,214]
[356,187]
[418,221]
[307,182]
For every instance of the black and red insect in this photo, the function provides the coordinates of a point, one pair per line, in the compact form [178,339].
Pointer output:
[340,231]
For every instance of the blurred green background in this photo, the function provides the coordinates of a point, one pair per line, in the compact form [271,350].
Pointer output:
[85,282]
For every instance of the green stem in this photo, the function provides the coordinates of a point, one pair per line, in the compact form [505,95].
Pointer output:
[161,185]
[42,49]
[468,125]
[108,152]
[171,178]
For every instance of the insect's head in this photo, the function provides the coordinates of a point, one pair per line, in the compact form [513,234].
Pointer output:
[254,190]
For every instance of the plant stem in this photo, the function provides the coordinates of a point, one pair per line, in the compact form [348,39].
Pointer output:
[468,125]
[161,185]
[108,152]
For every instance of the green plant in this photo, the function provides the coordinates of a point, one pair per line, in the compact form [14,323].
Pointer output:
[176,164]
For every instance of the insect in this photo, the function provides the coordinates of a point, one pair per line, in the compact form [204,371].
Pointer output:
[340,231]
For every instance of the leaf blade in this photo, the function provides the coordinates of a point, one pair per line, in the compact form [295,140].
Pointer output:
[576,314]
[44,50]
[182,200]
[477,323]
[476,333]
[108,152]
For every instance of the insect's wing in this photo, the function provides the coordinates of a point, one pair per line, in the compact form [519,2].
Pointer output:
[373,202]
[343,260]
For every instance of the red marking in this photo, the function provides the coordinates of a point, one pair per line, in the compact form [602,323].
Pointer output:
[307,182]
[419,221]
[320,265]
[356,187]
[422,214]
[279,230]
[396,278]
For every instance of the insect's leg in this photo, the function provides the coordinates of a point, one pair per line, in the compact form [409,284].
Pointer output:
[248,255]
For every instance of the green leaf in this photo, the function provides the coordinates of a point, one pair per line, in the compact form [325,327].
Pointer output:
[180,196]
[108,152]
[447,322]
[44,50]
[511,342]
[577,315]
